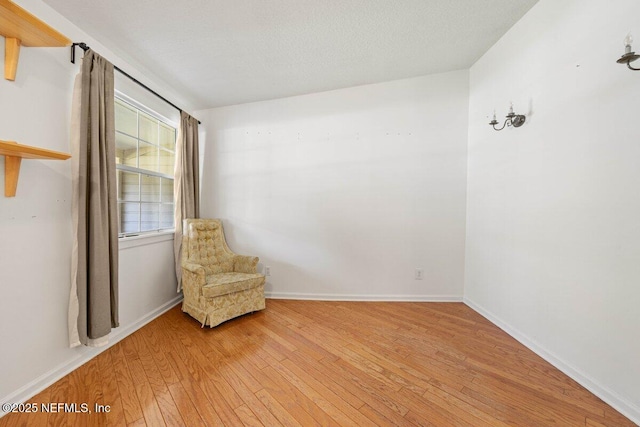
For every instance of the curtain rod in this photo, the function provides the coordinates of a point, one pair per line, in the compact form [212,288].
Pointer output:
[84,47]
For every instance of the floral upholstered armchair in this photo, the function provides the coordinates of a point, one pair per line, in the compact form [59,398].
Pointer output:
[218,284]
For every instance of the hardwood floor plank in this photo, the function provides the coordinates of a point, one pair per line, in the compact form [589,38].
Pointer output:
[320,374]
[165,402]
[298,341]
[20,417]
[191,370]
[203,406]
[422,420]
[126,387]
[318,399]
[532,398]
[408,378]
[370,368]
[146,397]
[250,399]
[594,420]
[154,361]
[93,385]
[321,391]
[75,393]
[612,414]
[188,412]
[138,423]
[324,363]
[506,415]
[272,333]
[277,409]
[549,387]
[247,417]
[378,392]
[456,375]
[421,408]
[110,391]
[459,406]
[593,423]
[40,418]
[509,406]
[197,361]
[211,392]
[169,409]
[59,393]
[373,367]
[152,372]
[392,419]
[129,347]
[245,376]
[303,400]
[279,389]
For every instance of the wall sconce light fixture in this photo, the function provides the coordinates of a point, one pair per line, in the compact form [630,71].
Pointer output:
[629,56]
[512,119]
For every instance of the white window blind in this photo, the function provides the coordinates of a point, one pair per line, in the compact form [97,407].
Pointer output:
[145,156]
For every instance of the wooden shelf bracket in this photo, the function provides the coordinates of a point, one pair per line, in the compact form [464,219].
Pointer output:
[11,55]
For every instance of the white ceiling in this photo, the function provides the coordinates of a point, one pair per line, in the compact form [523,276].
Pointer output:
[223,52]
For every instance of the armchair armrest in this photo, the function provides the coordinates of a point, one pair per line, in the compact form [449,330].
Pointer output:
[193,279]
[194,268]
[245,264]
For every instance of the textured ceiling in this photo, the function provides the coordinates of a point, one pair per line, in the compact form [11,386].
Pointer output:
[223,52]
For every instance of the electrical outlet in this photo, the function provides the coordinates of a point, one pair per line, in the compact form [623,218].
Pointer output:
[419,274]
[267,270]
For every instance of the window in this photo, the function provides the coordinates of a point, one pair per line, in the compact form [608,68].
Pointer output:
[145,153]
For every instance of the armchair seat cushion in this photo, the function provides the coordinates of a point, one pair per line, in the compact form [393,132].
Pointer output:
[227,283]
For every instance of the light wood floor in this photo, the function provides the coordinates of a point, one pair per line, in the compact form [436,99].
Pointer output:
[305,363]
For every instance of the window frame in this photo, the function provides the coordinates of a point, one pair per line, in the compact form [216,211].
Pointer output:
[140,172]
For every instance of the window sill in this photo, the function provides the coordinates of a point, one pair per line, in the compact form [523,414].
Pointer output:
[145,239]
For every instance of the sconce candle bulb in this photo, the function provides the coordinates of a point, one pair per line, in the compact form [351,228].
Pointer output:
[512,119]
[628,41]
[629,56]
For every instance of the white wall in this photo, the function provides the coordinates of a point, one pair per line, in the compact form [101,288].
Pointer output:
[35,227]
[553,222]
[344,193]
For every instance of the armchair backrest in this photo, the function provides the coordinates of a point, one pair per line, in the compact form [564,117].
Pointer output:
[203,243]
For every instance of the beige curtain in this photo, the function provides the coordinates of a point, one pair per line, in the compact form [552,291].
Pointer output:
[93,308]
[186,186]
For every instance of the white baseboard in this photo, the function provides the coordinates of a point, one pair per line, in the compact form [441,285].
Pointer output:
[343,297]
[626,408]
[36,386]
